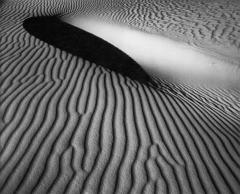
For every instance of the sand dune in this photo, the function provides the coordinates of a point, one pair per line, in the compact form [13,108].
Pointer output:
[162,56]
[69,125]
[212,25]
[85,45]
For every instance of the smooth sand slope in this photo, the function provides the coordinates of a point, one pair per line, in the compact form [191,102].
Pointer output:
[69,125]
[85,45]
[213,25]
[160,56]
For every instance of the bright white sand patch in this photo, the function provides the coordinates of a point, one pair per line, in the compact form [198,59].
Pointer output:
[162,56]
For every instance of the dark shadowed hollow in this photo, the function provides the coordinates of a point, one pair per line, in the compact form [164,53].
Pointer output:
[85,45]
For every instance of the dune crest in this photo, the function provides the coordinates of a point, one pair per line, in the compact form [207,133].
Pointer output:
[162,56]
[83,44]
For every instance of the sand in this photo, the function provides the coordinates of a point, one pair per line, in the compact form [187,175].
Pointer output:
[69,125]
[160,56]
[212,25]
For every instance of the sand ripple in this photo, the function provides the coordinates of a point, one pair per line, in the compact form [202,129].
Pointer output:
[71,126]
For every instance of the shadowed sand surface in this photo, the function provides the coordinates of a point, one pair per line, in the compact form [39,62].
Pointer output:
[69,125]
[81,43]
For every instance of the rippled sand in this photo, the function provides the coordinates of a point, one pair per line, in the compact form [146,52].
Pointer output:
[69,125]
[161,56]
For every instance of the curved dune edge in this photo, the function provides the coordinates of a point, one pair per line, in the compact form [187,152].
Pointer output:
[70,126]
[83,44]
[161,56]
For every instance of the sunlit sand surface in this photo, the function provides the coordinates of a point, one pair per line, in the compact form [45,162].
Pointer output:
[162,56]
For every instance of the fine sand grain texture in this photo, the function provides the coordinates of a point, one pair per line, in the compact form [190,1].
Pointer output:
[69,125]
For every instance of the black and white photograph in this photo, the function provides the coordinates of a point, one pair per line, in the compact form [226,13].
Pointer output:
[119,96]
